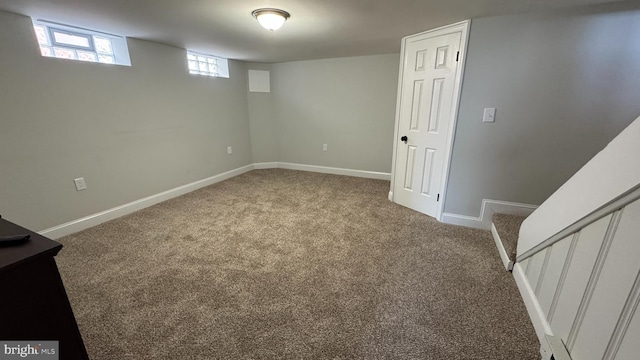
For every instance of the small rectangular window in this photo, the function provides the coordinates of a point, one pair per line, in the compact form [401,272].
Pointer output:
[200,64]
[67,42]
[71,39]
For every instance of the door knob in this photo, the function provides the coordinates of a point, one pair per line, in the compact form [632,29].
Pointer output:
[404,138]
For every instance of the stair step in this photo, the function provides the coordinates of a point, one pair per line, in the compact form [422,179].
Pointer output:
[507,228]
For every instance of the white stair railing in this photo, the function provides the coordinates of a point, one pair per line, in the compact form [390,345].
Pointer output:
[578,263]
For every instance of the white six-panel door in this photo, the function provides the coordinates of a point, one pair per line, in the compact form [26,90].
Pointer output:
[426,111]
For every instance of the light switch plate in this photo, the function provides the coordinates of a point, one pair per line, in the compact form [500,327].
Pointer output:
[489,115]
[80,184]
[229,150]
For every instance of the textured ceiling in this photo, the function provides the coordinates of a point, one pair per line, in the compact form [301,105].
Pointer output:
[317,28]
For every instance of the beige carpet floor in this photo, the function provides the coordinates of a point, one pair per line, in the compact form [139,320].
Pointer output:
[288,264]
[508,228]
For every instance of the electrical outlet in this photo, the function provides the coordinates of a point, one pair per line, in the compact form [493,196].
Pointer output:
[80,184]
[324,147]
[229,150]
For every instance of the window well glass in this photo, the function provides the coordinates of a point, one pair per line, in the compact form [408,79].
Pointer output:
[208,65]
[68,42]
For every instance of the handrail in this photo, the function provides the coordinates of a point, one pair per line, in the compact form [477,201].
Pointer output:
[615,204]
[611,175]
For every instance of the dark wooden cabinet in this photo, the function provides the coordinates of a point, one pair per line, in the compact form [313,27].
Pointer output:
[33,301]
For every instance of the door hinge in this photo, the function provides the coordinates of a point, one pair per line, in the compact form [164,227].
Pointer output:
[438,198]
[458,56]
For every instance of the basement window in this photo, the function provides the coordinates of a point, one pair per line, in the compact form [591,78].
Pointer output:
[208,65]
[68,42]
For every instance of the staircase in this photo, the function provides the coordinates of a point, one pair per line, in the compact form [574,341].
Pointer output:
[505,230]
[577,266]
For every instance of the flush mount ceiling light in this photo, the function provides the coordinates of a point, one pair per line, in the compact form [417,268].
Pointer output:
[271,19]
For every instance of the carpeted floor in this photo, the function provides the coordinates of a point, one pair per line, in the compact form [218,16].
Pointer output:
[289,264]
[508,227]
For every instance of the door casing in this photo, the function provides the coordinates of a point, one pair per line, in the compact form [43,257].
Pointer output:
[464,27]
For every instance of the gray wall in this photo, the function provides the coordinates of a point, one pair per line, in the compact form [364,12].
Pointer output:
[130,131]
[564,85]
[262,119]
[347,103]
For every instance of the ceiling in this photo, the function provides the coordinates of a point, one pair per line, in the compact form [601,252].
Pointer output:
[317,28]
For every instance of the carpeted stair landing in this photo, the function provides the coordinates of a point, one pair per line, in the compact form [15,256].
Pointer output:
[506,229]
[281,264]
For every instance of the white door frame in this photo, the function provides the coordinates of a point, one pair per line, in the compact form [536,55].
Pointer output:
[464,27]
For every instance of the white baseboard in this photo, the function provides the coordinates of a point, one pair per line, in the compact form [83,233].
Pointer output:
[508,264]
[463,220]
[336,171]
[538,319]
[118,211]
[265,165]
[489,207]
[390,196]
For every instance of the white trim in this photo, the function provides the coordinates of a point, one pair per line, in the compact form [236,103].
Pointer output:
[563,276]
[618,203]
[464,28]
[626,317]
[336,171]
[397,122]
[464,40]
[266,165]
[543,271]
[539,321]
[594,278]
[489,207]
[464,220]
[528,269]
[118,211]
[508,264]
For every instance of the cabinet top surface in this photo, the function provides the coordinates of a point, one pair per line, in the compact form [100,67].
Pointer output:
[36,246]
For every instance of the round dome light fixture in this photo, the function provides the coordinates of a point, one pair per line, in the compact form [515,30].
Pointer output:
[271,19]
